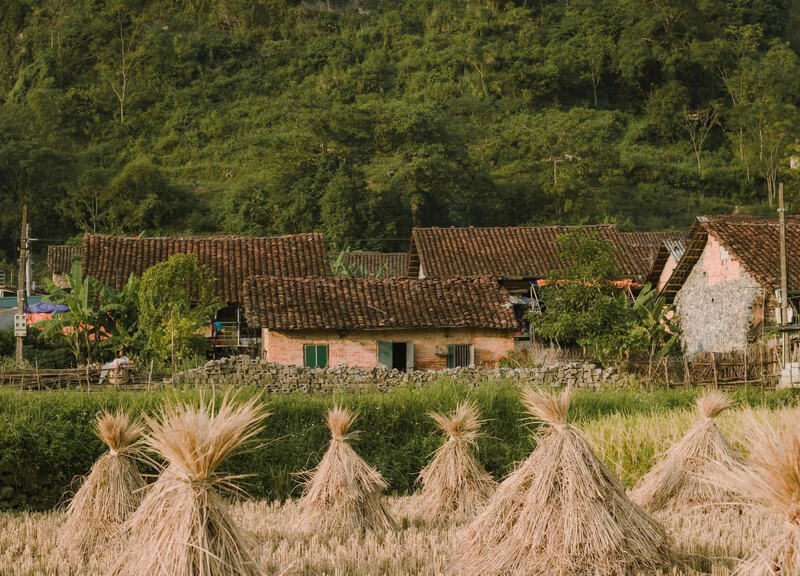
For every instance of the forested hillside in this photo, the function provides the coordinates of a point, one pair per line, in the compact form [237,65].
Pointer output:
[363,118]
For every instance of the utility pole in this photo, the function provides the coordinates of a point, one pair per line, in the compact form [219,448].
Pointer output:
[19,327]
[28,262]
[785,352]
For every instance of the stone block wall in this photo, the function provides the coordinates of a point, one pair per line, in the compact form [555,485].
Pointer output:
[280,378]
[716,305]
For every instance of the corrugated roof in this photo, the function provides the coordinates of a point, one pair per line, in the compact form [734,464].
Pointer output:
[365,303]
[231,259]
[388,264]
[506,252]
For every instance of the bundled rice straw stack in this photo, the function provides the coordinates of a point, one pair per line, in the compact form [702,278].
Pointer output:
[770,475]
[343,494]
[183,527]
[111,491]
[562,512]
[681,478]
[454,484]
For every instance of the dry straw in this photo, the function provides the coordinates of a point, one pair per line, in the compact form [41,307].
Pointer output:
[770,475]
[681,478]
[343,494]
[562,512]
[111,491]
[183,527]
[454,484]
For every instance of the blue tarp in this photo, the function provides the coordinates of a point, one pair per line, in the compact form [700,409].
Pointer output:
[45,308]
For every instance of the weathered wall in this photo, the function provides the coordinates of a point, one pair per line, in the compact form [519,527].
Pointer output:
[717,303]
[360,348]
[280,378]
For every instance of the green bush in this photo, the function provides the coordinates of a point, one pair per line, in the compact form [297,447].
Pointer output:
[46,438]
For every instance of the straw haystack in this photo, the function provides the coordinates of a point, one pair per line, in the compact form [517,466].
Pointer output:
[111,491]
[770,475]
[343,494]
[183,527]
[454,484]
[562,512]
[681,478]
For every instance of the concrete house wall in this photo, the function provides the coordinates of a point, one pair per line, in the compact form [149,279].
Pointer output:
[360,347]
[719,303]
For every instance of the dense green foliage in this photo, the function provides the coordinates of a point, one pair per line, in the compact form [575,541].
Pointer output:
[580,305]
[176,298]
[362,118]
[46,438]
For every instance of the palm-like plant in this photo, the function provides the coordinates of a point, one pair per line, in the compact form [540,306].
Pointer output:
[98,317]
[656,329]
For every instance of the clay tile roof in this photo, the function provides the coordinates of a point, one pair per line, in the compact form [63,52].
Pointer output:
[368,303]
[508,252]
[231,259]
[751,240]
[60,258]
[388,264]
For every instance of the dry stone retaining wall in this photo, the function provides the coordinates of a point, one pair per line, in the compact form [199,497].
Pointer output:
[279,378]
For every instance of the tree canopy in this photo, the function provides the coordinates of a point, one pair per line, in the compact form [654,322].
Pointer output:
[363,118]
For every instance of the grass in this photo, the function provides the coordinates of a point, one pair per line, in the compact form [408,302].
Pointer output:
[627,440]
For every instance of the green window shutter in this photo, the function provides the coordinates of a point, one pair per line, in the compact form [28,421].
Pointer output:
[385,354]
[322,356]
[309,356]
[451,356]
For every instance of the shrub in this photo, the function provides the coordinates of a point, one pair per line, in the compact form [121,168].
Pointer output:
[47,440]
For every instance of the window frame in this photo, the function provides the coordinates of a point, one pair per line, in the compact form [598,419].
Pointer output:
[316,348]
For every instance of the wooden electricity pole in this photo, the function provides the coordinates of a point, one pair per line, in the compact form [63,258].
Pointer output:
[23,256]
[785,353]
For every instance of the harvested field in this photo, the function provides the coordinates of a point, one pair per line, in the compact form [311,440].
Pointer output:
[628,444]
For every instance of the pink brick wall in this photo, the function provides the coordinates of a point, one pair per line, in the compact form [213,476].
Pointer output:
[360,348]
[718,264]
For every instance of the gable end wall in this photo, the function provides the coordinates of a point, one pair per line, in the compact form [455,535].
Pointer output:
[716,303]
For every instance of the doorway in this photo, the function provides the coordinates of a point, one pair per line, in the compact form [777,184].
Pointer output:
[399,356]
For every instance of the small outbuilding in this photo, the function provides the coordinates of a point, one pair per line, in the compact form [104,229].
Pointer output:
[724,286]
[404,324]
[59,261]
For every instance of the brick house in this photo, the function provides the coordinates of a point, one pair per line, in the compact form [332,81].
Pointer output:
[59,262]
[724,286]
[231,259]
[404,324]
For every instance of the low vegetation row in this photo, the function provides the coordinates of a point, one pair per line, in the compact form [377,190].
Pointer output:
[47,439]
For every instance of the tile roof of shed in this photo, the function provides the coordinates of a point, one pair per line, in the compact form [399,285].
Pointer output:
[507,252]
[364,303]
[231,259]
[389,264]
[60,258]
[751,240]
[646,245]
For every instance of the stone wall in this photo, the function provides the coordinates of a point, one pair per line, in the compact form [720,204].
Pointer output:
[716,305]
[279,378]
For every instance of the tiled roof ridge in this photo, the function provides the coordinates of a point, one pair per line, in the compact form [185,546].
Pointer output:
[286,303]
